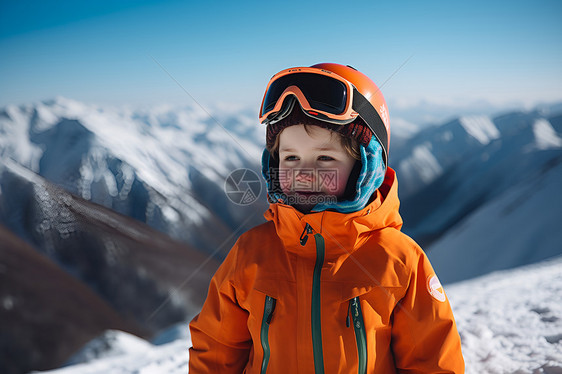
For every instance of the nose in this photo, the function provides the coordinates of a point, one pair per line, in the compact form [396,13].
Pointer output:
[304,175]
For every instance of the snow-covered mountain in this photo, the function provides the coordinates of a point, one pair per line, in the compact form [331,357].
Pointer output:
[86,269]
[522,225]
[509,322]
[71,173]
[482,193]
[165,166]
[434,151]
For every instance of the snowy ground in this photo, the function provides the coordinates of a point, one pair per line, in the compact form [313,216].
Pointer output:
[510,322]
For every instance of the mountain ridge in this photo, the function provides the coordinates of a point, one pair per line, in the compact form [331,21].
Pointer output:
[147,280]
[142,163]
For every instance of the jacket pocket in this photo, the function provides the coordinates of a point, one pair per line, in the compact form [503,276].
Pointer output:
[267,316]
[360,333]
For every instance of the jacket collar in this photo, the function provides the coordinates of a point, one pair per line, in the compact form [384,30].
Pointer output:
[342,233]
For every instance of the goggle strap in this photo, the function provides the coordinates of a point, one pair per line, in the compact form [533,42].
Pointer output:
[368,114]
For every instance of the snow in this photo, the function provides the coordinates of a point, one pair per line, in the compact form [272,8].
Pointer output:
[480,127]
[545,136]
[509,322]
[14,140]
[157,142]
[171,358]
[112,343]
[422,163]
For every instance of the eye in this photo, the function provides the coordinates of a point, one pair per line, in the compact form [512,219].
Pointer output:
[291,158]
[325,158]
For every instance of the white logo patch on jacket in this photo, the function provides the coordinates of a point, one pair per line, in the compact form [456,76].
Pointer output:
[435,289]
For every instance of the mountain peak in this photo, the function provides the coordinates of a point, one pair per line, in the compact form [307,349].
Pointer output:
[61,104]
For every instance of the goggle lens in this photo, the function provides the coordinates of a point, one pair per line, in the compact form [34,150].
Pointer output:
[322,92]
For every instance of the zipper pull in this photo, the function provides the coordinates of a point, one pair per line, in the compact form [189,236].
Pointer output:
[304,236]
[270,303]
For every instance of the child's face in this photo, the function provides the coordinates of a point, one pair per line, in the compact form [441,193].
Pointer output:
[313,166]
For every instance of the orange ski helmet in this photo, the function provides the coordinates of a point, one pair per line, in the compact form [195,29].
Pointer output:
[368,89]
[333,93]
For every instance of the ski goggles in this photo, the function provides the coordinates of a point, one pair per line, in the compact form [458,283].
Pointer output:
[321,94]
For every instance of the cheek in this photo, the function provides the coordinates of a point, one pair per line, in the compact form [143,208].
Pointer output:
[285,178]
[341,181]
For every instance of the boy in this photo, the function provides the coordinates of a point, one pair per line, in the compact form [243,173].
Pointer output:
[329,284]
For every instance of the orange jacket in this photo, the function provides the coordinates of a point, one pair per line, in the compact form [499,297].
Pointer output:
[327,293]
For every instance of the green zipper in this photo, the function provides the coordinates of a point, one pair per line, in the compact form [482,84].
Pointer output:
[316,305]
[267,315]
[360,334]
[316,308]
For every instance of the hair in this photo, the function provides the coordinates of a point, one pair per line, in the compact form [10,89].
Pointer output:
[351,145]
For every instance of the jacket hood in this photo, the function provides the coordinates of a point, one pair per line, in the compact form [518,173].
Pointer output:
[342,232]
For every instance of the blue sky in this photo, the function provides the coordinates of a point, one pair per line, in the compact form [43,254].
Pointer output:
[421,53]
